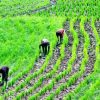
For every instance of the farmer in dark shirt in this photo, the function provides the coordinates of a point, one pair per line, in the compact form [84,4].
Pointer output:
[45,46]
[60,34]
[4,71]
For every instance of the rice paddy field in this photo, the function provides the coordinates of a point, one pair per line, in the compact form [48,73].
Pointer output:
[71,71]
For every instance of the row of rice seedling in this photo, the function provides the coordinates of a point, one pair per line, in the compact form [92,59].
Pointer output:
[35,74]
[74,8]
[27,80]
[83,86]
[95,30]
[62,7]
[70,63]
[54,80]
[92,79]
[74,77]
[13,8]
[46,26]
[97,51]
[25,58]
[13,48]
[27,46]
[48,75]
[94,87]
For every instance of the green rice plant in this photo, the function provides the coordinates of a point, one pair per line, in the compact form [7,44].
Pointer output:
[34,98]
[91,90]
[74,8]
[27,80]
[74,46]
[50,85]
[74,94]
[1,98]
[78,89]
[25,58]
[50,97]
[74,77]
[97,45]
[13,8]
[48,75]
[34,74]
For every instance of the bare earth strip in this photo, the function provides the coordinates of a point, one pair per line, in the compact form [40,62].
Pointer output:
[90,64]
[63,63]
[75,65]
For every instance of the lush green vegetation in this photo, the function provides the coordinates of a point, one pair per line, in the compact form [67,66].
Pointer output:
[75,8]
[89,88]
[20,7]
[20,37]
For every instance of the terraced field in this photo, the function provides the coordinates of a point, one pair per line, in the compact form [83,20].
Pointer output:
[70,71]
[20,7]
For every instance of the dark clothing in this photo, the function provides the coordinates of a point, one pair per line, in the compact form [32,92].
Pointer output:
[45,47]
[60,34]
[4,71]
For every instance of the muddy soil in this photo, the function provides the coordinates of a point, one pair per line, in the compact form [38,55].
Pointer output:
[37,66]
[89,66]
[62,65]
[75,65]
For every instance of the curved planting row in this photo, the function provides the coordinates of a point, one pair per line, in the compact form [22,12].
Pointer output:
[85,68]
[40,71]
[89,85]
[32,77]
[50,75]
[79,54]
[71,80]
[16,8]
[44,79]
[89,66]
[17,77]
[67,70]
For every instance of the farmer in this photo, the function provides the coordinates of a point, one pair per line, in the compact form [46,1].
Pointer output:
[4,71]
[60,34]
[45,46]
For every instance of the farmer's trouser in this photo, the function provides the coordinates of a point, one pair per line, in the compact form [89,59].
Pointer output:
[45,48]
[59,36]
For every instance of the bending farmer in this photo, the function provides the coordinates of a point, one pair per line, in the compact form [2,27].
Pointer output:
[4,71]
[45,46]
[60,34]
